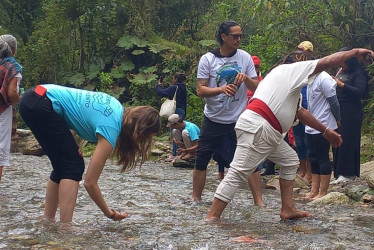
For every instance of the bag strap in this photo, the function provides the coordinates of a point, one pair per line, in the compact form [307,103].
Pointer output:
[175,94]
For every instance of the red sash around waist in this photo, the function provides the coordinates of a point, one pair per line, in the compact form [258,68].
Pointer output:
[258,106]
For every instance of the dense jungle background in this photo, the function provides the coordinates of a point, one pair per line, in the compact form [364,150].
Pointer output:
[122,46]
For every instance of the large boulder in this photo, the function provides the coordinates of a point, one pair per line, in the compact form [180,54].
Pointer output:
[25,143]
[179,163]
[366,169]
[157,152]
[332,198]
[370,179]
[356,192]
[273,183]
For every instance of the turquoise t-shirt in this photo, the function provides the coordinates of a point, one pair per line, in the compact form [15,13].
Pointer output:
[87,112]
[193,130]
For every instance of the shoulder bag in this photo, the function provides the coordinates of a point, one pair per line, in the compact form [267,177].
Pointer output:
[168,107]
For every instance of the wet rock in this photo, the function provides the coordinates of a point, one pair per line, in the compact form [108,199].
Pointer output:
[157,152]
[31,242]
[370,179]
[366,169]
[165,146]
[356,192]
[179,163]
[332,198]
[300,183]
[273,183]
[26,143]
[368,198]
[52,243]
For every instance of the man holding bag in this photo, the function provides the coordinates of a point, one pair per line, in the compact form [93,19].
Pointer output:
[179,90]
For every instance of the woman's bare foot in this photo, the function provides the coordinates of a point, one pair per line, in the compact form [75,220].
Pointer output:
[318,196]
[293,214]
[310,195]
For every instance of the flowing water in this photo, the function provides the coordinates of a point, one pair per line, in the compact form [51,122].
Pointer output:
[157,197]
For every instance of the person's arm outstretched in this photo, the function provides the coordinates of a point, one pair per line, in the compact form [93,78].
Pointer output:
[96,166]
[336,59]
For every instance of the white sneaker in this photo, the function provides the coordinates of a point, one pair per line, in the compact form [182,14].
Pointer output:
[342,179]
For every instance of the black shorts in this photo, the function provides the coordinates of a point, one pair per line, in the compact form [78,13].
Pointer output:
[54,136]
[218,140]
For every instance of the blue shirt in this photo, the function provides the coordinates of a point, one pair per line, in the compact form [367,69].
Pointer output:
[193,130]
[87,112]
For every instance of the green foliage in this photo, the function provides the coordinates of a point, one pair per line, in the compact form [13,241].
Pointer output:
[106,82]
[122,46]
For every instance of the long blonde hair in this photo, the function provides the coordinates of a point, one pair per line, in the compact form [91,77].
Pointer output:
[139,125]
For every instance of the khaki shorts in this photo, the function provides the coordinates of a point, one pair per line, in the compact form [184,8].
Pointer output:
[258,142]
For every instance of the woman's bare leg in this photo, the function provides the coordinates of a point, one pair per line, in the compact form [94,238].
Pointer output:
[315,187]
[51,199]
[324,186]
[68,192]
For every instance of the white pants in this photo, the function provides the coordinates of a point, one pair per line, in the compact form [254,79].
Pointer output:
[182,136]
[5,135]
[257,142]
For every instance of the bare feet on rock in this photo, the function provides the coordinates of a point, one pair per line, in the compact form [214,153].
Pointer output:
[310,195]
[293,214]
[318,196]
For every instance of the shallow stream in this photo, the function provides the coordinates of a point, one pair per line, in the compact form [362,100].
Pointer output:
[157,197]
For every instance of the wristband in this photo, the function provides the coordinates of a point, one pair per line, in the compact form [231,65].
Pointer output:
[113,214]
[324,132]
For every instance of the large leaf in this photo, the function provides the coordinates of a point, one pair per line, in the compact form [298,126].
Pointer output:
[76,79]
[143,78]
[93,72]
[157,48]
[207,43]
[126,42]
[117,91]
[120,71]
[139,42]
[150,69]
[166,70]
[127,66]
[117,73]
[138,52]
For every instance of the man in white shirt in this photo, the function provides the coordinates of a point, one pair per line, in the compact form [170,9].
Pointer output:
[270,114]
[223,77]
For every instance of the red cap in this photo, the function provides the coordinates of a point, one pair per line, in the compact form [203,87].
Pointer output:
[256,60]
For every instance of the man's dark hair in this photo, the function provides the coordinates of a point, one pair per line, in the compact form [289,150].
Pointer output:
[224,28]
